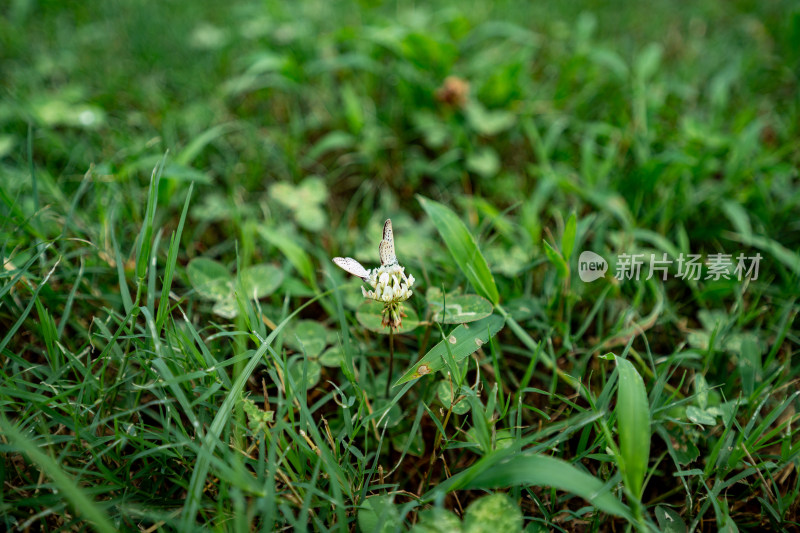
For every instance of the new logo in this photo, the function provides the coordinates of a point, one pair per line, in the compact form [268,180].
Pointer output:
[591,266]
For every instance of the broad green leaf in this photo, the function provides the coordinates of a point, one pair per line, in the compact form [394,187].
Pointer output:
[487,122]
[261,280]
[648,61]
[463,341]
[395,414]
[445,394]
[335,140]
[738,217]
[491,514]
[437,520]
[415,446]
[308,337]
[510,262]
[430,126]
[352,108]
[7,143]
[378,515]
[568,239]
[484,161]
[210,279]
[285,193]
[332,357]
[212,207]
[633,423]
[528,469]
[462,247]
[669,520]
[226,307]
[311,217]
[312,372]
[700,416]
[501,439]
[459,308]
[556,259]
[370,315]
[295,253]
[428,54]
[749,362]
[701,390]
[312,190]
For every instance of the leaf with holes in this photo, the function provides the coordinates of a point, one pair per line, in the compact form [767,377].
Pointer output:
[463,341]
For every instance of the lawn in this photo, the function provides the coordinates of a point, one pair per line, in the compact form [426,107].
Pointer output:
[583,315]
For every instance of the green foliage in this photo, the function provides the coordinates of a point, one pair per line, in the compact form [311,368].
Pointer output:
[529,469]
[212,281]
[463,248]
[304,201]
[437,520]
[458,344]
[378,513]
[458,308]
[178,352]
[633,421]
[496,512]
[370,315]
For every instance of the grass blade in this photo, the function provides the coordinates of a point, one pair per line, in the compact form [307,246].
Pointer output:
[527,469]
[463,341]
[66,485]
[462,247]
[633,422]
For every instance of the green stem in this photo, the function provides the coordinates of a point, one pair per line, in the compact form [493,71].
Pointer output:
[439,436]
[391,360]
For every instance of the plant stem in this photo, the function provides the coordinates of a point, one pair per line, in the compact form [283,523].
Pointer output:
[391,360]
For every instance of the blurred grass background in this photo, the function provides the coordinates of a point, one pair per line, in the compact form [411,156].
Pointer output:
[666,127]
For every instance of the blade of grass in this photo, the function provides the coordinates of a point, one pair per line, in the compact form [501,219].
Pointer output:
[70,490]
[198,479]
[462,247]
[633,422]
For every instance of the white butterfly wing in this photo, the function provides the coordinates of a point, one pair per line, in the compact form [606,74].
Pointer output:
[348,264]
[386,248]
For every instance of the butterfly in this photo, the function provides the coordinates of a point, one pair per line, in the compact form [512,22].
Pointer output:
[385,250]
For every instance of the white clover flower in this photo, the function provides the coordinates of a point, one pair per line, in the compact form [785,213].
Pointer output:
[389,282]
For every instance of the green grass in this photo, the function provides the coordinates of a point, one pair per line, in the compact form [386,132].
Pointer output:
[178,352]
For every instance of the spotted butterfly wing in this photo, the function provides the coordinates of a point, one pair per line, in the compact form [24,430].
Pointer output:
[348,264]
[386,248]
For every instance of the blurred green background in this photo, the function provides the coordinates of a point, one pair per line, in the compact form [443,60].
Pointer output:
[664,126]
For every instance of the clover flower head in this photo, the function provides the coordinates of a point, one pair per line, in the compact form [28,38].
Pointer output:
[389,282]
